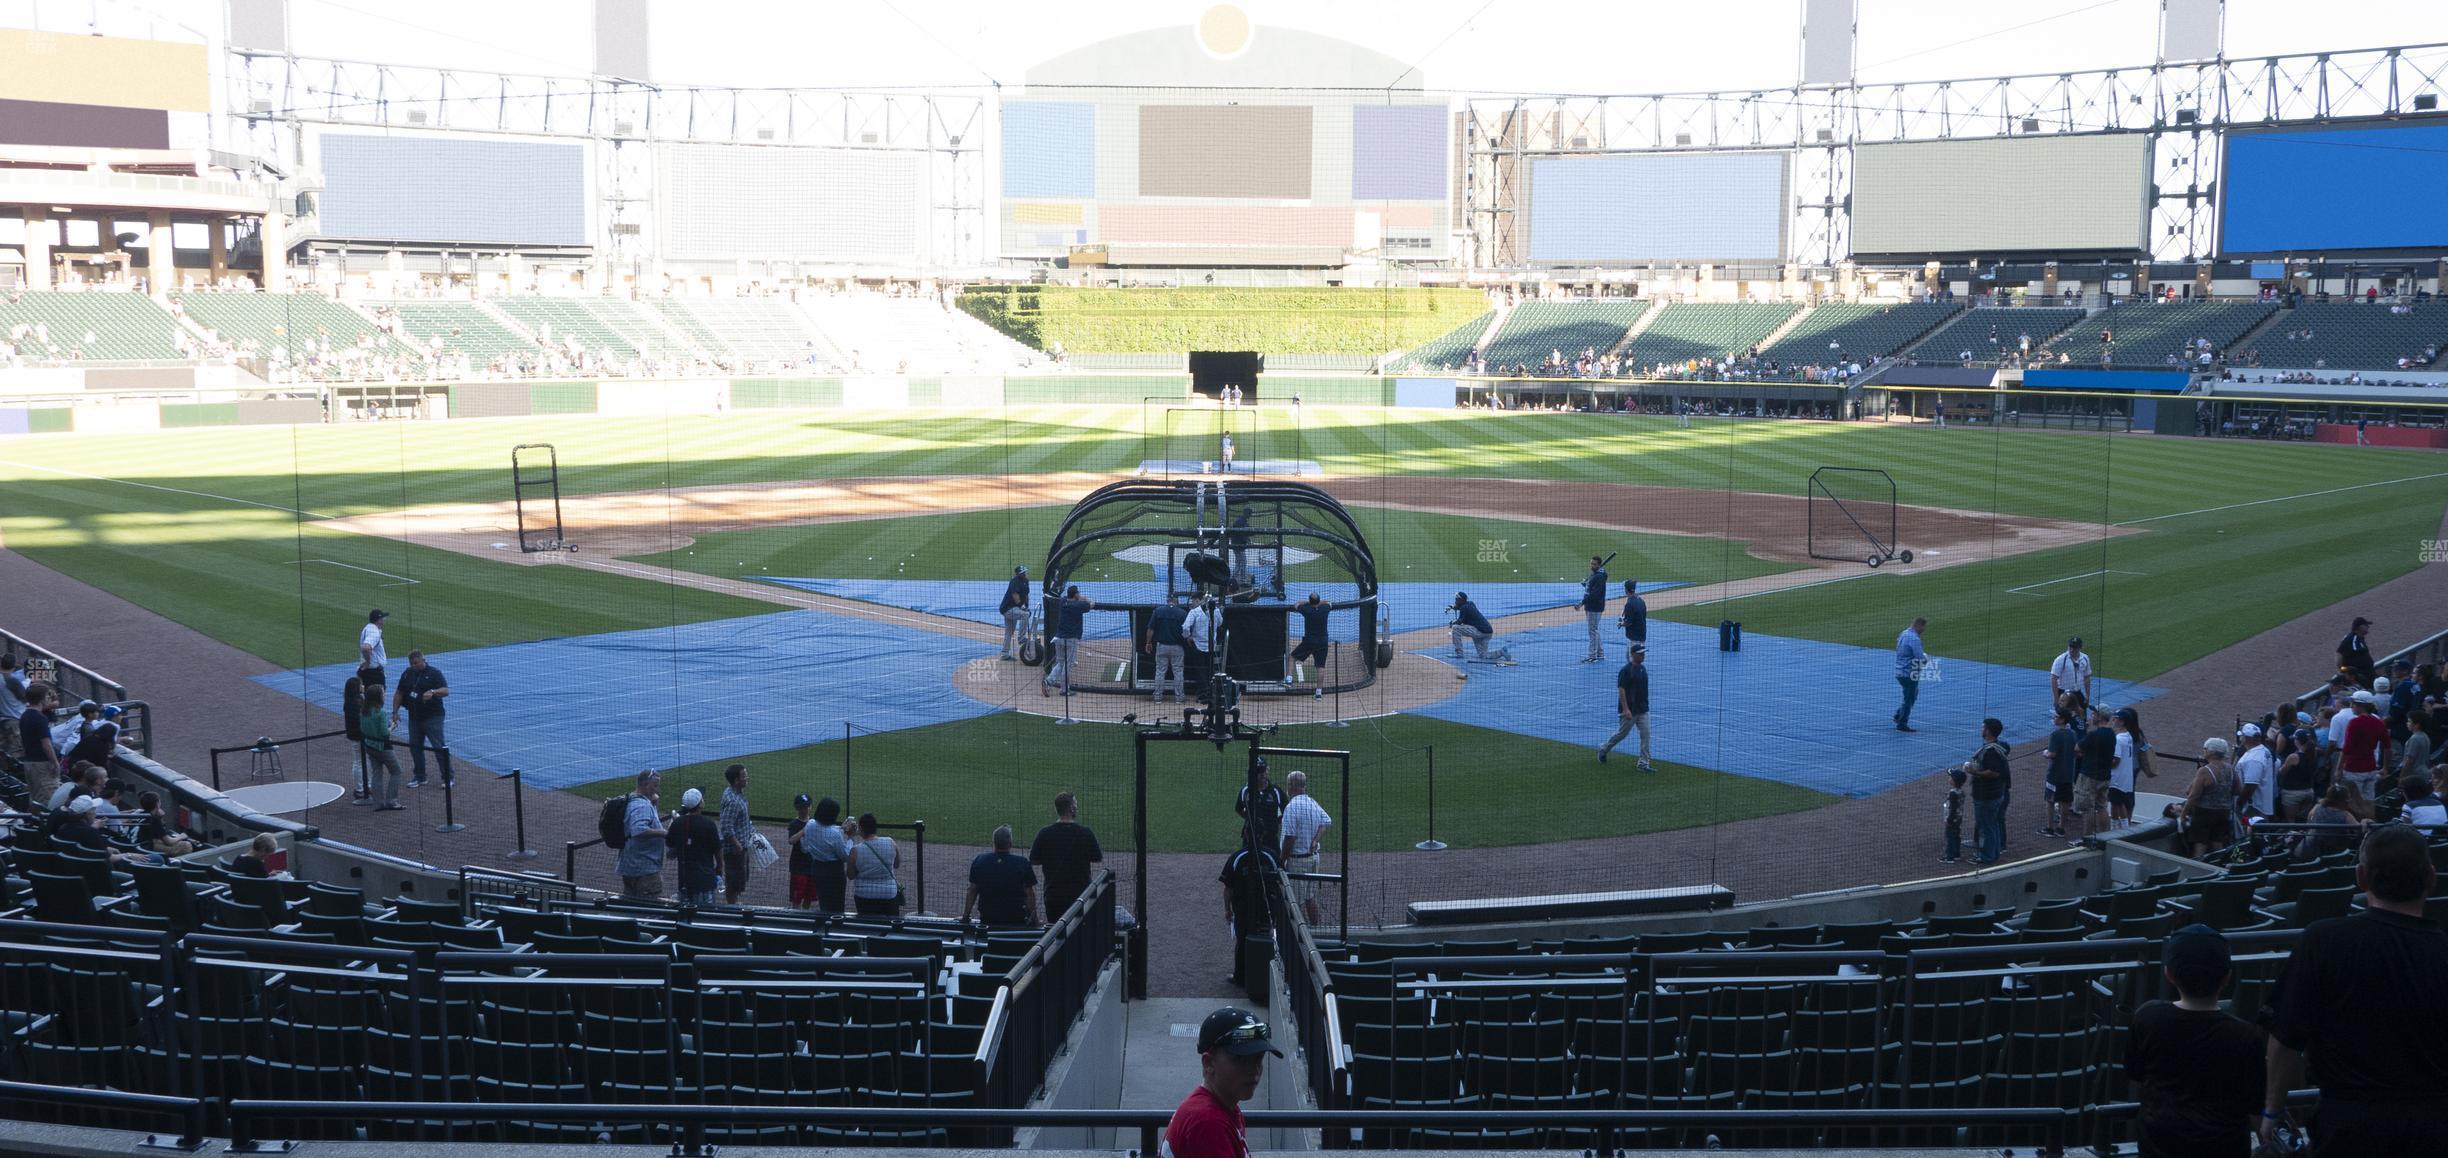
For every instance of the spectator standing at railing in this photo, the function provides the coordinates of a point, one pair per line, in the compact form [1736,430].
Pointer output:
[2360,994]
[873,866]
[1002,886]
[2354,652]
[2362,748]
[696,842]
[1068,852]
[737,830]
[40,756]
[647,838]
[12,699]
[2199,1067]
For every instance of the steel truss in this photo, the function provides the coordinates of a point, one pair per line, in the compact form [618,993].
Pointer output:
[273,97]
[2183,107]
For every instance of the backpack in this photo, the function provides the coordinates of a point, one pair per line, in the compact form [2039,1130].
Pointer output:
[613,822]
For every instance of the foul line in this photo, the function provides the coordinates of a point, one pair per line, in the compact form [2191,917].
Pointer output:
[403,580]
[2068,579]
[2282,498]
[159,487]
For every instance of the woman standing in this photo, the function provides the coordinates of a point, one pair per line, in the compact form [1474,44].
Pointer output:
[2210,803]
[826,850]
[873,860]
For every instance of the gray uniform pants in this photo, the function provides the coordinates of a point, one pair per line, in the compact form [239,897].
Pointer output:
[1013,621]
[1479,639]
[1639,720]
[1169,670]
[1066,650]
[1597,650]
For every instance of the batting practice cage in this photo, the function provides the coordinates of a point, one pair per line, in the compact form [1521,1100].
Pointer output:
[818,520]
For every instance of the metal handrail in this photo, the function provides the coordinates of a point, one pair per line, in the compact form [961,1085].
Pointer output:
[2436,645]
[188,1112]
[245,1113]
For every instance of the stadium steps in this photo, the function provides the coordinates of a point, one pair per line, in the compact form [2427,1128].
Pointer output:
[494,311]
[2249,338]
[1454,347]
[464,327]
[1787,326]
[1864,330]
[1685,331]
[1647,319]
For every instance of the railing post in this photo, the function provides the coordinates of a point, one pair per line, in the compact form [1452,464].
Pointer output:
[518,812]
[920,827]
[449,823]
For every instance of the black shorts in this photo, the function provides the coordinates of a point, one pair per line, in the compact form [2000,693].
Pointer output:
[2120,799]
[2056,792]
[1308,650]
[370,676]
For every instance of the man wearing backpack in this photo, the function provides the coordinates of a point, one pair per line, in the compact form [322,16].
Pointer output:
[639,837]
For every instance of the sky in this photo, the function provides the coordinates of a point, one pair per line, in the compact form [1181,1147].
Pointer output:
[1507,46]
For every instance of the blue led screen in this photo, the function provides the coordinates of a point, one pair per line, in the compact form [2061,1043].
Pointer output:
[2335,189]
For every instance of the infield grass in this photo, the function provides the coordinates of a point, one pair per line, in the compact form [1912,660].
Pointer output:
[1492,789]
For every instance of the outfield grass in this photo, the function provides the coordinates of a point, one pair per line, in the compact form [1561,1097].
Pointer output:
[986,544]
[208,537]
[1493,788]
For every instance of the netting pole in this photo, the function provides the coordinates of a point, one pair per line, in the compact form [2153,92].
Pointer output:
[1338,721]
[847,798]
[1432,844]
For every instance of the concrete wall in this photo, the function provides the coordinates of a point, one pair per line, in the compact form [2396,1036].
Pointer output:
[1087,1074]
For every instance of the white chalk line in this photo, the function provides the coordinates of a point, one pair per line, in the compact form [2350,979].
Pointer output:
[2029,587]
[404,581]
[2283,498]
[171,490]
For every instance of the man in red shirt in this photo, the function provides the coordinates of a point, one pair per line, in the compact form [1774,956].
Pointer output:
[1232,1046]
[2360,754]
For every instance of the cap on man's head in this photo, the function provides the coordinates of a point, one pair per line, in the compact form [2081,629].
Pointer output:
[2380,686]
[1019,570]
[1237,1032]
[84,804]
[1640,649]
[88,706]
[2074,641]
[2197,957]
[2250,731]
[2215,746]
[2361,622]
[2362,697]
[110,711]
[801,801]
[691,798]
[377,615]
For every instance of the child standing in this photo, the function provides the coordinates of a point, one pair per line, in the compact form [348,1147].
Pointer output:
[1954,816]
[802,869]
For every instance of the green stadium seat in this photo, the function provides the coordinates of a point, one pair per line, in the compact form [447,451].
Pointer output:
[91,326]
[1993,334]
[2148,333]
[1535,330]
[2350,336]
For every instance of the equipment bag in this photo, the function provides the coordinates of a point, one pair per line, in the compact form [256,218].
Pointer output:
[1729,635]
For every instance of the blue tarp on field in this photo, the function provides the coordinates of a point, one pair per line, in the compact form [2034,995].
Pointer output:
[1800,711]
[573,711]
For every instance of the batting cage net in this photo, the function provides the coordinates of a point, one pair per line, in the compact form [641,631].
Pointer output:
[1612,573]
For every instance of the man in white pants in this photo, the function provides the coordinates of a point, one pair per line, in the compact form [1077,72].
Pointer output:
[1304,824]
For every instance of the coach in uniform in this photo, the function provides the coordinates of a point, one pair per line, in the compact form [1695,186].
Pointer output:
[1014,609]
[1593,606]
[1635,615]
[1164,641]
[1072,624]
[1470,624]
[1632,705]
[1312,611]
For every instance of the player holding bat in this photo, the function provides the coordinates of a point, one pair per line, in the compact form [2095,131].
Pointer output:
[1593,604]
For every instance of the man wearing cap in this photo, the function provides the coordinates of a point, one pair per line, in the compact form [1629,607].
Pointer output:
[1909,658]
[2362,748]
[1635,614]
[1245,909]
[100,734]
[1471,625]
[1163,642]
[2198,1066]
[371,657]
[1002,886]
[641,854]
[1262,805]
[1071,624]
[2256,772]
[1593,606]
[696,842]
[2354,652]
[1232,1045]
[1631,704]
[2360,994]
[78,828]
[2071,673]
[1014,609]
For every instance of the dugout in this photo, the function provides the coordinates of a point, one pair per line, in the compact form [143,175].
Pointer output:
[1132,545]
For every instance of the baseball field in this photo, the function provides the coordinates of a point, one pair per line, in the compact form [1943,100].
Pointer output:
[276,541]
